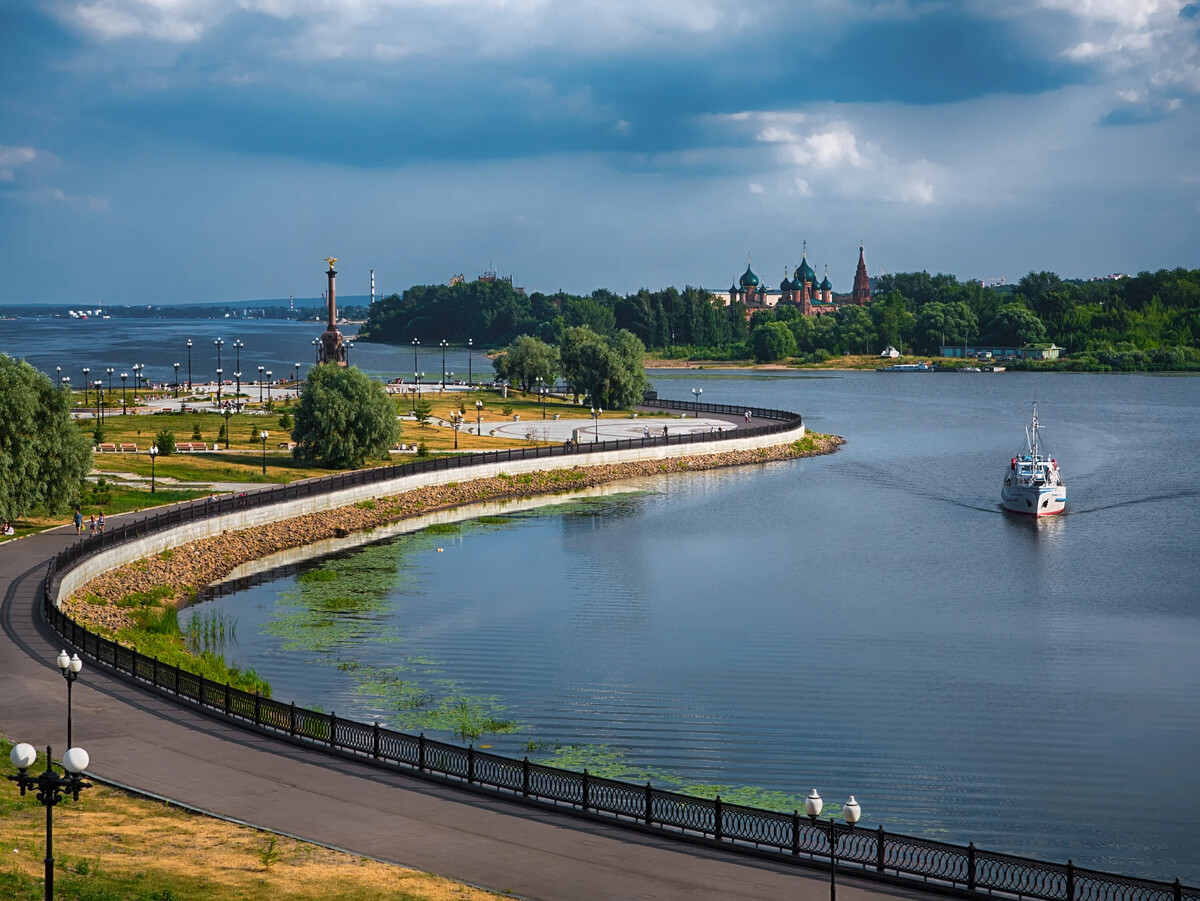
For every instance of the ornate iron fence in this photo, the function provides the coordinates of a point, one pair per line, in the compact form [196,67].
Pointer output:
[875,853]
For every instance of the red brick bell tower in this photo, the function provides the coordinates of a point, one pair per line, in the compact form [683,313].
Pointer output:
[862,284]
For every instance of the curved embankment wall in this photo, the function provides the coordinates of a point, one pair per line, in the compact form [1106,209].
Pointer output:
[158,541]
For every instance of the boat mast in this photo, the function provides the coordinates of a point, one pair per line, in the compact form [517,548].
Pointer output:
[1035,432]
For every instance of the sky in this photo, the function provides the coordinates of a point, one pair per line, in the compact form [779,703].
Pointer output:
[171,151]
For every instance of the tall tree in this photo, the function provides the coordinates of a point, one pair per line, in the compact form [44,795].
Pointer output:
[43,456]
[525,361]
[343,419]
[1015,326]
[772,341]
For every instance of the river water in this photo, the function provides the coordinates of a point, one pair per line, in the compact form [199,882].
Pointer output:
[868,622]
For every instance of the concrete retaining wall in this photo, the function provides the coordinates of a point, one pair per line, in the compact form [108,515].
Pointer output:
[156,543]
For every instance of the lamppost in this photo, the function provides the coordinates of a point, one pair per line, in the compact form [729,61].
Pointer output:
[298,365]
[70,667]
[176,365]
[263,436]
[261,370]
[109,370]
[596,411]
[66,383]
[696,392]
[50,790]
[220,375]
[316,350]
[237,350]
[417,376]
[218,343]
[479,417]
[86,382]
[124,376]
[98,386]
[349,347]
[237,398]
[153,452]
[58,375]
[850,813]
[470,344]
[226,411]
[136,367]
[189,347]
[445,376]
[540,389]
[416,344]
[268,386]
[444,345]
[456,420]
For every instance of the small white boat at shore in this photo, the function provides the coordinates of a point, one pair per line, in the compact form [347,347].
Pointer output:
[1033,484]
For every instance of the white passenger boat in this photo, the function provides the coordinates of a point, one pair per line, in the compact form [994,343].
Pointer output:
[1033,484]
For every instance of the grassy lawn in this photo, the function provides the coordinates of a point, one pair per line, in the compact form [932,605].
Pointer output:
[110,846]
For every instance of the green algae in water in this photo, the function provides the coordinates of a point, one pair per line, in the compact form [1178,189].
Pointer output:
[609,762]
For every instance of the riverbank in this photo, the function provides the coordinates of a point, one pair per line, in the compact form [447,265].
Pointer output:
[104,603]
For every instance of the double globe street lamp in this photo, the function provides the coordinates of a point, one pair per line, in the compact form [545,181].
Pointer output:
[263,436]
[51,788]
[596,411]
[850,813]
[153,452]
[70,667]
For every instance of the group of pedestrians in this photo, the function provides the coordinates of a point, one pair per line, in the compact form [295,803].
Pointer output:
[95,524]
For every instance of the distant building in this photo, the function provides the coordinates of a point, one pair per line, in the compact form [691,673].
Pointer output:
[1031,352]
[802,290]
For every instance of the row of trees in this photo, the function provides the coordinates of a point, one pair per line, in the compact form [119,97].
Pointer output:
[1154,316]
[609,371]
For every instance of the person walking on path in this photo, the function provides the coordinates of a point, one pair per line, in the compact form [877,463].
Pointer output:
[92,525]
[100,522]
[78,521]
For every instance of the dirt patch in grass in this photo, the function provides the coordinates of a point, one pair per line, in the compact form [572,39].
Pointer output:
[111,845]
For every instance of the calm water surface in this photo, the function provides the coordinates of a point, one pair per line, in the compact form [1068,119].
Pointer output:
[865,623]
[277,345]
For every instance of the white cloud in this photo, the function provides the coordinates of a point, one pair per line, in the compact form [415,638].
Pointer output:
[755,188]
[394,28]
[12,158]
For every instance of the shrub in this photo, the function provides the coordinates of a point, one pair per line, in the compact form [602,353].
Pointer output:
[165,440]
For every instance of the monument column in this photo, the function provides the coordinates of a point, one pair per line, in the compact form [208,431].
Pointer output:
[332,348]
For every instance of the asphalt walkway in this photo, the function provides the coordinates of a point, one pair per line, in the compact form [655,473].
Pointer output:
[140,740]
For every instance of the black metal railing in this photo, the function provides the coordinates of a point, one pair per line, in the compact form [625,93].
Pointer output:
[877,853]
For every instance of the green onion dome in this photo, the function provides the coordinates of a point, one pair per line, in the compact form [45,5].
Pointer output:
[749,279]
[804,273]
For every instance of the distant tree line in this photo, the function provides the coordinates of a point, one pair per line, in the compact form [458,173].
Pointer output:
[1149,321]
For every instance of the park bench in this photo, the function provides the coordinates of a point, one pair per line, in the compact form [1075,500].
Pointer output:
[190,447]
[129,448]
[106,448]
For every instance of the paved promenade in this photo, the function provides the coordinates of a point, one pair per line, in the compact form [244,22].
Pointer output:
[138,740]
